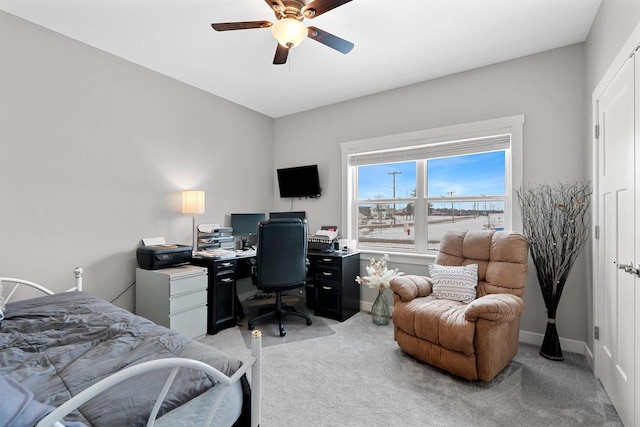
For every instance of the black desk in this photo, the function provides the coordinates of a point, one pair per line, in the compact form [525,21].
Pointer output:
[223,305]
[332,279]
[331,289]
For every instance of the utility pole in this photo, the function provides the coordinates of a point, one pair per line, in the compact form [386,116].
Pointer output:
[394,173]
[453,214]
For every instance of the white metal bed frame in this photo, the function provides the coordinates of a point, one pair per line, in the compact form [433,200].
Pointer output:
[253,363]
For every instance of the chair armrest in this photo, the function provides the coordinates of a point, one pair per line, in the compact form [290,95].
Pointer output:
[495,307]
[410,286]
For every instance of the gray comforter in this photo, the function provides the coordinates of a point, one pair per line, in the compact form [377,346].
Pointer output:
[58,345]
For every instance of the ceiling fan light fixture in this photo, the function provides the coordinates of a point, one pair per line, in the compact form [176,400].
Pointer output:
[289,32]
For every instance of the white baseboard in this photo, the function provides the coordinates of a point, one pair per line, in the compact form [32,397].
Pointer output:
[573,346]
[588,354]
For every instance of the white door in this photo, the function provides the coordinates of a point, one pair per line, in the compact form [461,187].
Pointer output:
[616,206]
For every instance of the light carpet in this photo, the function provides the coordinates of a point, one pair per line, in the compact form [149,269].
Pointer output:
[360,377]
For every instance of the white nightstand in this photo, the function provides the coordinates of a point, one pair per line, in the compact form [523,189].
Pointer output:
[174,297]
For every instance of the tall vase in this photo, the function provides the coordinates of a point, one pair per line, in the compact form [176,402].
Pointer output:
[550,347]
[380,314]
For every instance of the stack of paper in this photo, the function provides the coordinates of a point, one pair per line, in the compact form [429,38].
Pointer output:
[216,254]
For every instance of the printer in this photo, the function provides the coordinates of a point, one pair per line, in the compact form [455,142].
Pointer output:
[153,257]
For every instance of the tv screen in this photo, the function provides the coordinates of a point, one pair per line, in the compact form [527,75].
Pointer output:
[301,181]
[302,215]
[246,224]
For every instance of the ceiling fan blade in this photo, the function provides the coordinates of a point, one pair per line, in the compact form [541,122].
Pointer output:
[226,26]
[318,7]
[281,55]
[328,39]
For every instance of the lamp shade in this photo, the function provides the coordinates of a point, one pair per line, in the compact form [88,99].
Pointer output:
[289,32]
[192,202]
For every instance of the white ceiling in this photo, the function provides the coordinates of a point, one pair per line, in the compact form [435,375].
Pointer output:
[397,42]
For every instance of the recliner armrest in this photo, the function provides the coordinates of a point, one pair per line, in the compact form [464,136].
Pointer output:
[411,286]
[495,307]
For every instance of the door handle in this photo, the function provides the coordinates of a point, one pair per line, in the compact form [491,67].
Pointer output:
[624,266]
[629,268]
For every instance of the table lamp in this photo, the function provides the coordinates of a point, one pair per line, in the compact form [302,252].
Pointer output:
[193,203]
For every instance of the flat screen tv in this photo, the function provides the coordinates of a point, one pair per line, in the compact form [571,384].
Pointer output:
[302,215]
[300,181]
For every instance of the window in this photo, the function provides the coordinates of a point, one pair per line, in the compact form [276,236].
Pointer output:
[405,191]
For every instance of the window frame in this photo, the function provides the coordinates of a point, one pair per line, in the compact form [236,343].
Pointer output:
[514,165]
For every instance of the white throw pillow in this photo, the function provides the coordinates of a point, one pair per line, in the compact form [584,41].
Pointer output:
[456,283]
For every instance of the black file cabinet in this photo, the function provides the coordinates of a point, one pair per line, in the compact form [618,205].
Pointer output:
[221,293]
[337,294]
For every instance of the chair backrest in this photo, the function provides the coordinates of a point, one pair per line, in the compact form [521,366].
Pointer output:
[502,258]
[282,253]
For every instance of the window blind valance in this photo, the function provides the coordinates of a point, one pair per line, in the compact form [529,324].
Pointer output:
[433,150]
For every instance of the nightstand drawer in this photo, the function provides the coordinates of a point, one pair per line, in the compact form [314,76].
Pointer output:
[187,300]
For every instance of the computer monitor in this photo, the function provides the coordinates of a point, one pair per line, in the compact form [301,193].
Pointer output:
[302,215]
[245,226]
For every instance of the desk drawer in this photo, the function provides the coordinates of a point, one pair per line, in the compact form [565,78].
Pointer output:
[188,300]
[225,267]
[190,323]
[328,301]
[326,275]
[328,262]
[225,279]
[187,284]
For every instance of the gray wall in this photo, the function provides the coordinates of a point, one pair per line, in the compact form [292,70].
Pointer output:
[548,88]
[94,152]
[553,89]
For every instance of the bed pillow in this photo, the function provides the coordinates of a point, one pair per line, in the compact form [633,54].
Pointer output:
[456,283]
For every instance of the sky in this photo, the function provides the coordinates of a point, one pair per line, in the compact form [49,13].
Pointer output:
[469,175]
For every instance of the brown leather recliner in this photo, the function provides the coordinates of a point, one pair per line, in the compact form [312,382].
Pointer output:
[475,340]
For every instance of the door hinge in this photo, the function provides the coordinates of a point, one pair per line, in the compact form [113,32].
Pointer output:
[596,332]
[596,131]
[597,232]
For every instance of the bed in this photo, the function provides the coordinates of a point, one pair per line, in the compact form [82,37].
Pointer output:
[80,360]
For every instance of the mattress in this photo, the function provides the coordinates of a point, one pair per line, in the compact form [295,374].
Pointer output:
[58,345]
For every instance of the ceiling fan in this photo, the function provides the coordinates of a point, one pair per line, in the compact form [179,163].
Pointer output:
[289,29]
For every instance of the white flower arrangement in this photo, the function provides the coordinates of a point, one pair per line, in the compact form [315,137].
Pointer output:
[379,276]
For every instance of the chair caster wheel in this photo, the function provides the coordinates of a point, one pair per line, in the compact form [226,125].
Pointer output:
[283,332]
[250,326]
[309,322]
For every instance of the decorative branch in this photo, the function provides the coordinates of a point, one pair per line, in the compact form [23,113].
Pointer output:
[556,222]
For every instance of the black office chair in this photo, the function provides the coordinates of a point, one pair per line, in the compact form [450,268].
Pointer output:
[281,264]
